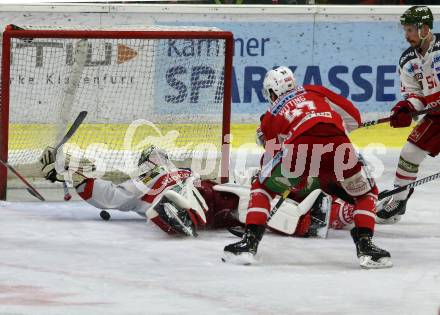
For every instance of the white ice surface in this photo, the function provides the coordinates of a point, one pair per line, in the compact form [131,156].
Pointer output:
[61,258]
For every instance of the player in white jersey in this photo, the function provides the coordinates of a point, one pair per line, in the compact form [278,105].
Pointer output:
[419,68]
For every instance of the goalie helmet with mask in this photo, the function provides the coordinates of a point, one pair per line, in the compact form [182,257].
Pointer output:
[152,162]
[179,208]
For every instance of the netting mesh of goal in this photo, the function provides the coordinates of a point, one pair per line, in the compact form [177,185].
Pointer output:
[137,92]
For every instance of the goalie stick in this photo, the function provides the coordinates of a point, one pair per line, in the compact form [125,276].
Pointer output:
[29,187]
[80,58]
[78,121]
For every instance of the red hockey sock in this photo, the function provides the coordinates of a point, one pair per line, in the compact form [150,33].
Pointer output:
[365,211]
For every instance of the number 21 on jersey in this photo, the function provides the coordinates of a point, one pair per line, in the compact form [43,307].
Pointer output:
[296,110]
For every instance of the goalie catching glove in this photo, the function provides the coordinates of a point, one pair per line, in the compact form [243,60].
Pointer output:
[47,162]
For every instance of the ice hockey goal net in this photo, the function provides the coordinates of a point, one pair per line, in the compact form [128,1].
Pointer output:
[167,86]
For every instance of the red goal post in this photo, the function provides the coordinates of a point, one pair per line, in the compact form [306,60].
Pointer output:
[179,78]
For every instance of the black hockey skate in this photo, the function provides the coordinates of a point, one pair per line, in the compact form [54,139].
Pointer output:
[390,210]
[370,256]
[243,252]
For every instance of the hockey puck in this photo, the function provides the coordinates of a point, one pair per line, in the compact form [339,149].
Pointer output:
[104,215]
[67,197]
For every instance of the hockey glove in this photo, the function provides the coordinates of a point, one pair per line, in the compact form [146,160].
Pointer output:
[47,163]
[66,167]
[401,114]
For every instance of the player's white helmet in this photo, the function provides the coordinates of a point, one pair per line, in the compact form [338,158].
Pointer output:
[279,81]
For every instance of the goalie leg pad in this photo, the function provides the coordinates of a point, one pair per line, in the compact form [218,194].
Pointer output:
[180,209]
[243,194]
[293,218]
[171,218]
[194,209]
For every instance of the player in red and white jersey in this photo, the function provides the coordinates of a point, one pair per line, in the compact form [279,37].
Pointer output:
[304,108]
[305,138]
[419,69]
[160,192]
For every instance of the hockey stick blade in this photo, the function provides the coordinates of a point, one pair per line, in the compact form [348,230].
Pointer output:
[35,194]
[29,187]
[419,182]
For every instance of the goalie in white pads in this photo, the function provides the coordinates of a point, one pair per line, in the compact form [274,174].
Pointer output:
[160,192]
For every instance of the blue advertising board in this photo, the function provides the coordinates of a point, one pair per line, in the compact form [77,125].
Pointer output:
[358,60]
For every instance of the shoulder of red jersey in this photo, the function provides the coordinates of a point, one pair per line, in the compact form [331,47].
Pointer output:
[318,89]
[344,107]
